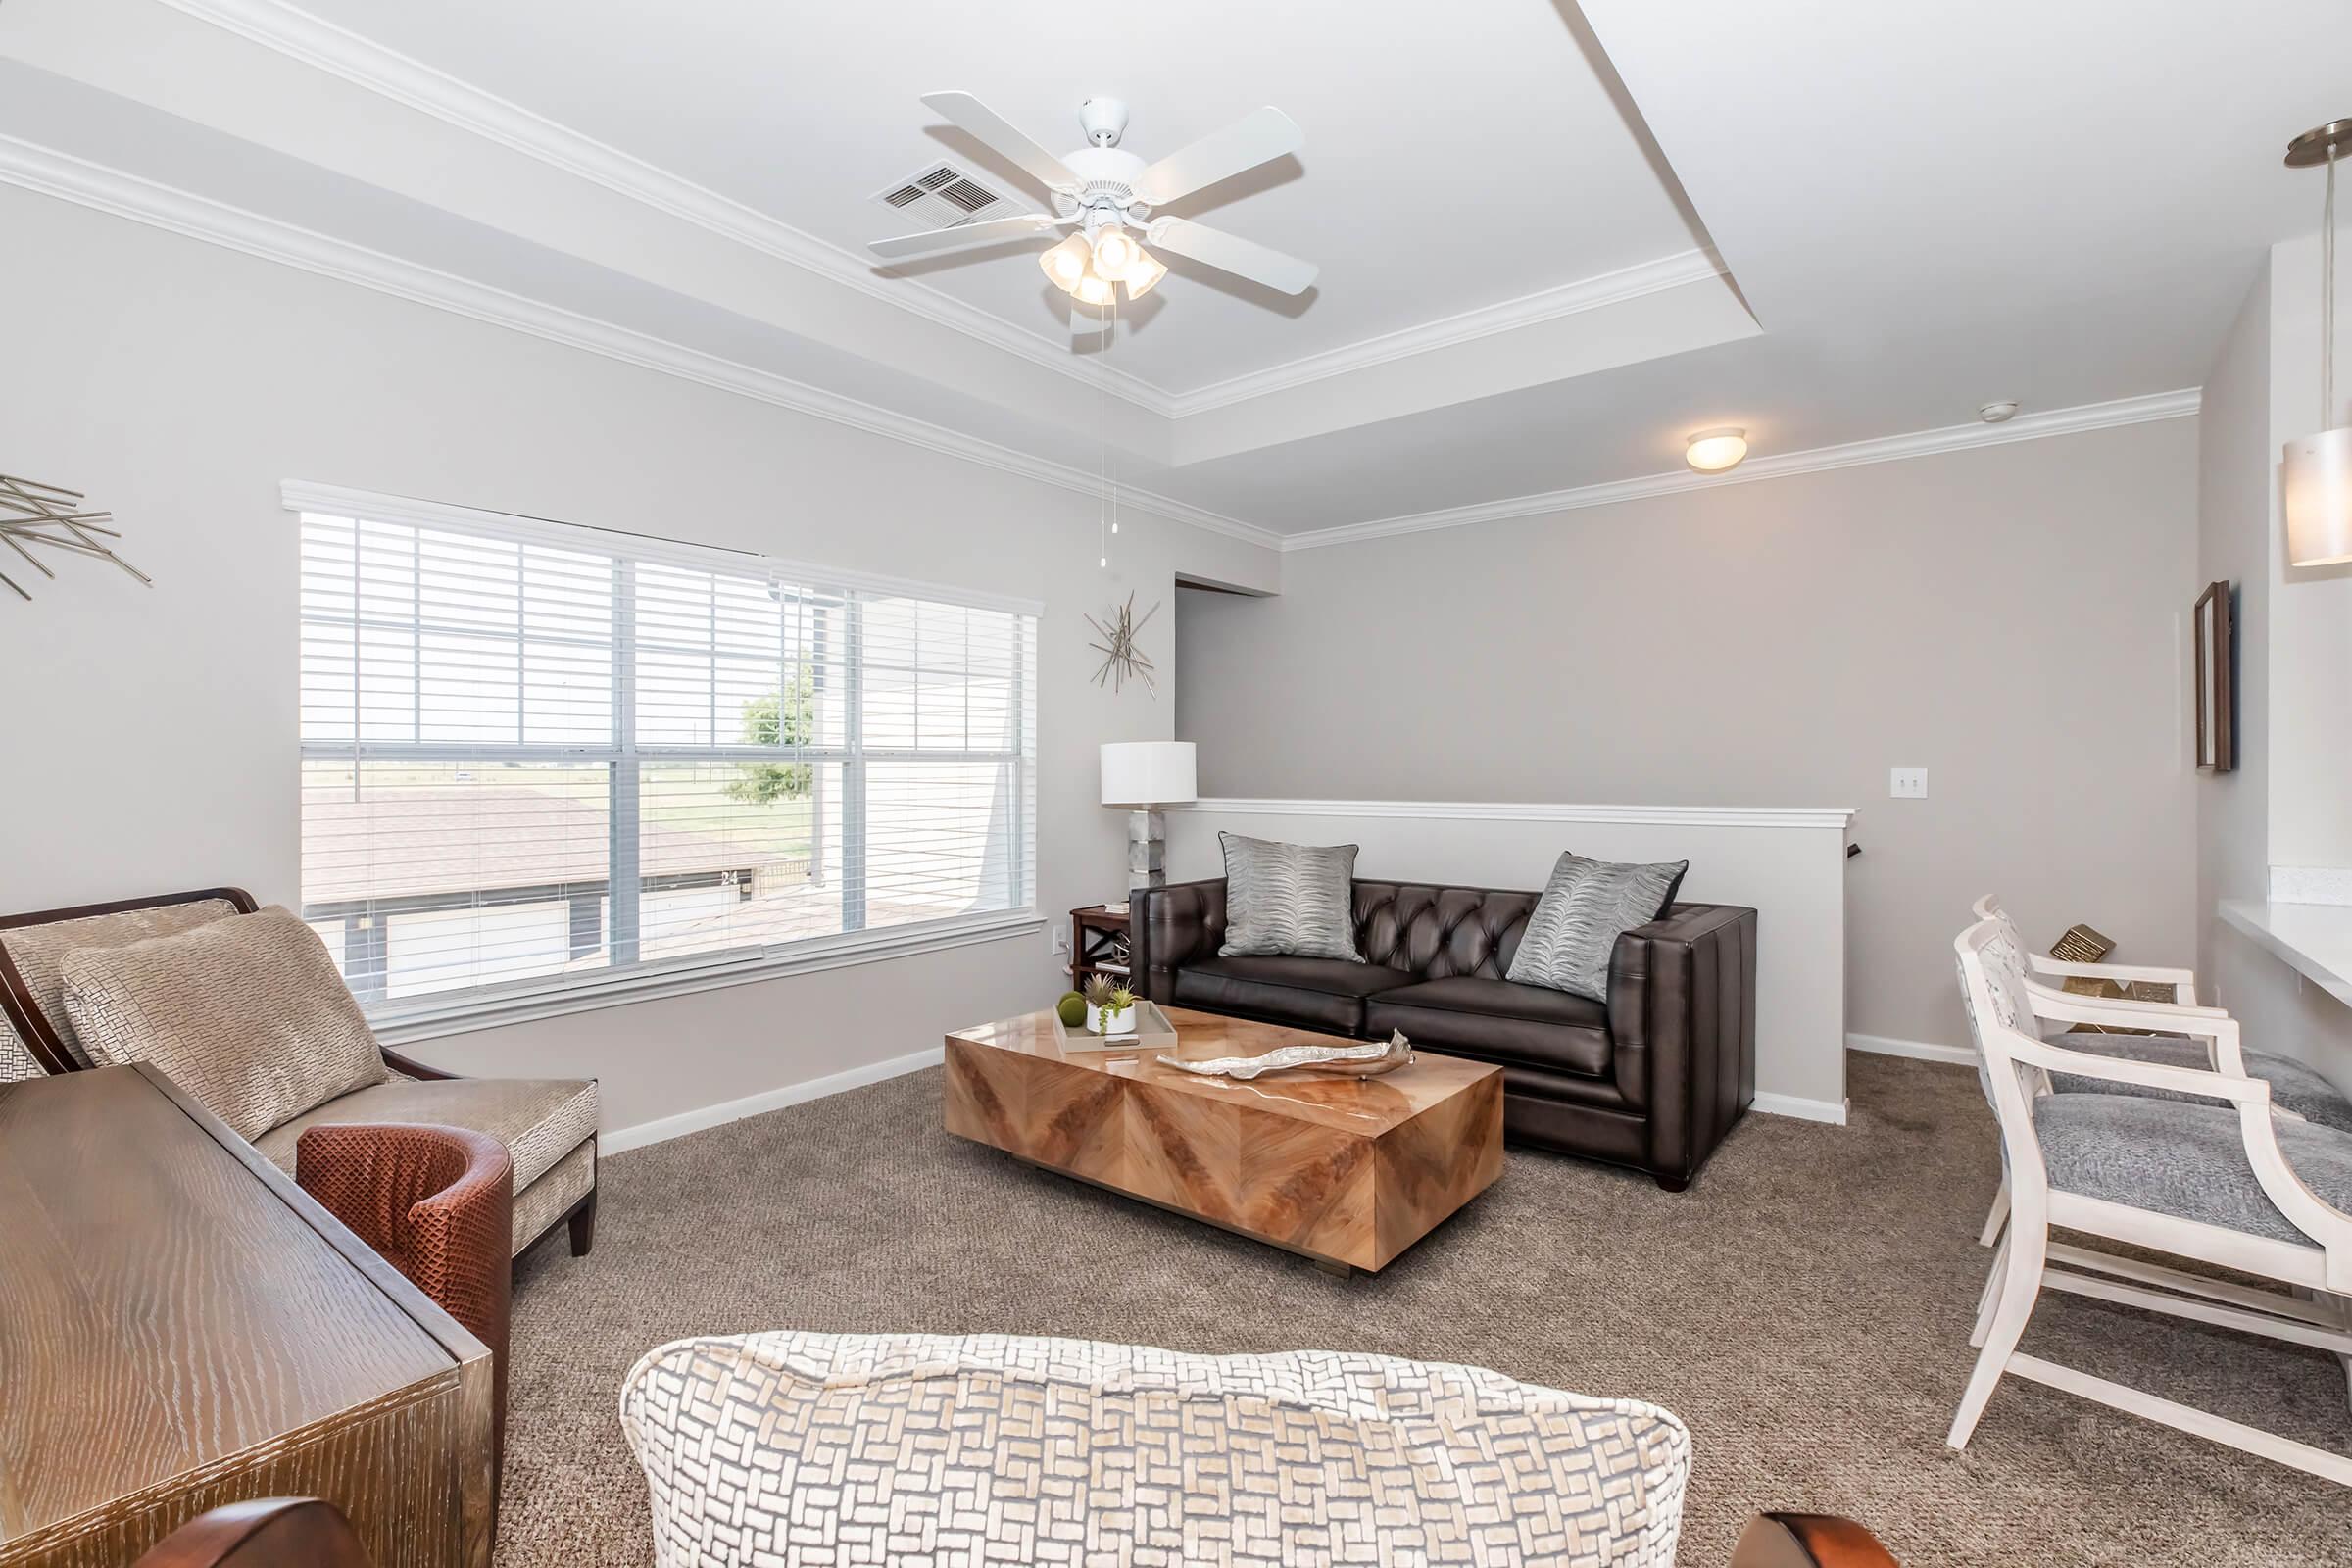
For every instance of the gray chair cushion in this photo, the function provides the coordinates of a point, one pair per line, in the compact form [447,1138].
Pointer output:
[2183,1160]
[2293,1086]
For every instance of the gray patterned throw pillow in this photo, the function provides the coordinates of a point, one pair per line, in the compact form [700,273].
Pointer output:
[1295,899]
[1586,907]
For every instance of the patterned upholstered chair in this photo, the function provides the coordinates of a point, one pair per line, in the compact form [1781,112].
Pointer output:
[547,1125]
[1052,1452]
[2294,1088]
[2189,1161]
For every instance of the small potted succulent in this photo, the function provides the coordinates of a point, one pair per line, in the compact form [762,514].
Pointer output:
[1109,1006]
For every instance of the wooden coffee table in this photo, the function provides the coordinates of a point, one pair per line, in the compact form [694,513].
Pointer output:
[1347,1171]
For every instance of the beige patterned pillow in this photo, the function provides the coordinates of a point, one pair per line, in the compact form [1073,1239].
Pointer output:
[247,1014]
[39,953]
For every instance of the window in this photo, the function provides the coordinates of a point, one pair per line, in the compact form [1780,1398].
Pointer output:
[540,757]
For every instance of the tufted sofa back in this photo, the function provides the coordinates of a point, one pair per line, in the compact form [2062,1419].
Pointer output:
[1437,933]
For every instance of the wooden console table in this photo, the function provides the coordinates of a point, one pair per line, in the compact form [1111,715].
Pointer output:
[181,1327]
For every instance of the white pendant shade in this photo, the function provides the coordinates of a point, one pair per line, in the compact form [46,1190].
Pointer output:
[1149,773]
[2316,482]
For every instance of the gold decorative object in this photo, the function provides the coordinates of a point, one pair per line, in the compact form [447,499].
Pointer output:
[2082,944]
[35,513]
[1367,1061]
[1122,659]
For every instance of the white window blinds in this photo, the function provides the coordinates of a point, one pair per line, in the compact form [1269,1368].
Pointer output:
[537,757]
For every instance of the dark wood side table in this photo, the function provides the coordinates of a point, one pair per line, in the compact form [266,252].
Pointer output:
[1098,946]
[182,1327]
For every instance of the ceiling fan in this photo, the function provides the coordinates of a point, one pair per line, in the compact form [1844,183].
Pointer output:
[1104,197]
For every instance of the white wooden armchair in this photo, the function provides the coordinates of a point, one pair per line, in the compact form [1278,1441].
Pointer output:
[2295,1089]
[2207,1174]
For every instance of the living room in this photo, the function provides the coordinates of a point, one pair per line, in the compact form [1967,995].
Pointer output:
[680,838]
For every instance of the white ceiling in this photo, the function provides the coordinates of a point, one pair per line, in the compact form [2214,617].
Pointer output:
[1457,156]
[2058,203]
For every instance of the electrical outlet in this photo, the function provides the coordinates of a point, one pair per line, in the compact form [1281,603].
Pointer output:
[1057,940]
[1907,783]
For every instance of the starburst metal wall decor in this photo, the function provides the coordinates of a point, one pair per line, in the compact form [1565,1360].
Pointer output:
[35,513]
[1122,659]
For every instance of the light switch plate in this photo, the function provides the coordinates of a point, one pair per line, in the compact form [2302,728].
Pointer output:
[1907,783]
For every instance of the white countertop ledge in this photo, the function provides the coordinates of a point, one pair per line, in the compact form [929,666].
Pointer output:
[2315,939]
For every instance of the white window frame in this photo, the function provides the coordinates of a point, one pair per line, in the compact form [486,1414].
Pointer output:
[634,980]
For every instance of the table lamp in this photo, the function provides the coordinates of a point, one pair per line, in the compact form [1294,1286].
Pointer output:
[1146,775]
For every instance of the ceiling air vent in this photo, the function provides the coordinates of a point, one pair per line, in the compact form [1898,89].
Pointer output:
[942,195]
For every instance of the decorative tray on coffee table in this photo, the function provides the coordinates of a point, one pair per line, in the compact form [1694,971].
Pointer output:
[1151,1032]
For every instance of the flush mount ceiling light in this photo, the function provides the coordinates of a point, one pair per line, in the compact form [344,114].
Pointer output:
[2316,471]
[1997,412]
[1106,195]
[1713,450]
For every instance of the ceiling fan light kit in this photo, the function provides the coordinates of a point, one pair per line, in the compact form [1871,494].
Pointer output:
[1105,196]
[2315,471]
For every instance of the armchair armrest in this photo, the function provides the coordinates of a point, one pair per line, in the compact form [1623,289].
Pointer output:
[1808,1541]
[2183,981]
[2209,1024]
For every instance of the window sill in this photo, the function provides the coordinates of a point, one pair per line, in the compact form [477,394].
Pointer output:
[404,1023]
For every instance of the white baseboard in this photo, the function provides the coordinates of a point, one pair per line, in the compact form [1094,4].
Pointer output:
[719,1115]
[1831,1111]
[1915,1050]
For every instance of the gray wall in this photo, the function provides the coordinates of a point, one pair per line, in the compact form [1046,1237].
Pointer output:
[2283,804]
[150,741]
[2011,617]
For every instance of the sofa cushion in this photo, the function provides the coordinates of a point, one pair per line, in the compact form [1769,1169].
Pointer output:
[540,1120]
[1314,993]
[1288,899]
[39,953]
[1499,1020]
[1586,907]
[247,1014]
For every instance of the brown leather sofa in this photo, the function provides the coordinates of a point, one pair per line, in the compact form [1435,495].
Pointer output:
[1652,1079]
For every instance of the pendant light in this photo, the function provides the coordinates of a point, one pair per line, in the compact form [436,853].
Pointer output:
[2316,473]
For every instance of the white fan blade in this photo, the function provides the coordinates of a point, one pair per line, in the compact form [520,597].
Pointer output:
[1257,137]
[1229,253]
[999,134]
[963,234]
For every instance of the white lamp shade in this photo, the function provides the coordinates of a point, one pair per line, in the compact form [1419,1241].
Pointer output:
[2316,484]
[1149,773]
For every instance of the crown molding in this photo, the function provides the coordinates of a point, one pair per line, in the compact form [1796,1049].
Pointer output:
[1529,310]
[1779,465]
[314,41]
[324,46]
[1792,816]
[126,195]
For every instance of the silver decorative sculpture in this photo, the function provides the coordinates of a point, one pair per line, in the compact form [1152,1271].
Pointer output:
[35,513]
[1366,1060]
[1122,659]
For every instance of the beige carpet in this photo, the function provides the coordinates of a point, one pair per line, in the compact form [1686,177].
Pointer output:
[1805,1308]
